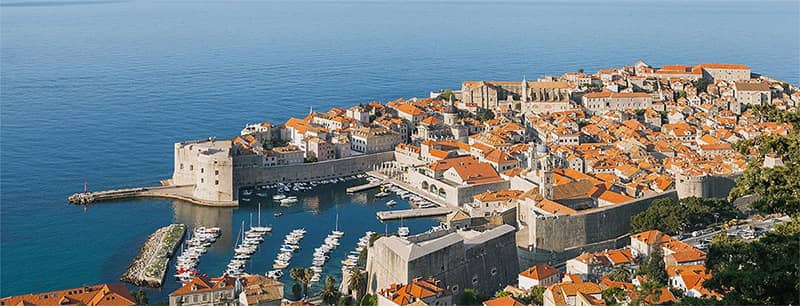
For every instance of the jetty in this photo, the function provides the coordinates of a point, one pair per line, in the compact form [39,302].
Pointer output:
[367,186]
[413,213]
[150,266]
[176,192]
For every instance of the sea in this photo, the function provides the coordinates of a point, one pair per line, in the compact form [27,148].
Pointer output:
[97,92]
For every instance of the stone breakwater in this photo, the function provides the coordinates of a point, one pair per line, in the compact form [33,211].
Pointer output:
[149,267]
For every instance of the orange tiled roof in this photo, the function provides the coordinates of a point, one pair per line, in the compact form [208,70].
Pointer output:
[97,295]
[503,301]
[410,109]
[539,272]
[418,289]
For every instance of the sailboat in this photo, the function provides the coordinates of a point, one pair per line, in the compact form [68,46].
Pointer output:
[259,228]
[336,232]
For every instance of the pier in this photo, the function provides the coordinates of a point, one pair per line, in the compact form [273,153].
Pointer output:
[413,213]
[368,186]
[176,192]
[150,266]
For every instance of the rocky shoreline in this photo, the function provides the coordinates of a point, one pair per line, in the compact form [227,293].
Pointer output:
[150,265]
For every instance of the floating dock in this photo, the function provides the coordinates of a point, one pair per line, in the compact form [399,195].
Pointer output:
[368,186]
[150,266]
[413,213]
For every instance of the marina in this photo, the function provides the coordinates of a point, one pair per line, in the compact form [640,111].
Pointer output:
[191,250]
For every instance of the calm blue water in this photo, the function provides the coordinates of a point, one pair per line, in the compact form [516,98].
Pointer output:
[99,92]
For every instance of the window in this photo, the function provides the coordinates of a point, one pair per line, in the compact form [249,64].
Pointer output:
[216,172]
[202,170]
[191,167]
[216,182]
[181,166]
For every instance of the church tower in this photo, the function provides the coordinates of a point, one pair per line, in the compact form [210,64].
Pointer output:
[525,94]
[545,175]
[450,113]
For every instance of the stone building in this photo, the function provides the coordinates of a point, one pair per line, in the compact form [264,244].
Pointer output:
[485,261]
[204,291]
[373,140]
[752,93]
[456,180]
[523,96]
[208,165]
[727,72]
[599,102]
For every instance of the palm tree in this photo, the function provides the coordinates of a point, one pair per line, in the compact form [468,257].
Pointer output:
[357,282]
[302,275]
[330,293]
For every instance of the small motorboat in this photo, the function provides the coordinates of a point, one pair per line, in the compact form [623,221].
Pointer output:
[246,199]
[289,200]
[403,231]
[382,194]
[391,203]
[279,197]
[277,214]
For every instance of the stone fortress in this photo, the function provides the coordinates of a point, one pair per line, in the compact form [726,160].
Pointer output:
[216,170]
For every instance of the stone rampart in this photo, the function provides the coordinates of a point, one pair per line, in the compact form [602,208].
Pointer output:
[245,176]
[555,238]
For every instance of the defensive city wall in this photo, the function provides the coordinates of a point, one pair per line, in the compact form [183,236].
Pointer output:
[216,173]
[557,238]
[246,176]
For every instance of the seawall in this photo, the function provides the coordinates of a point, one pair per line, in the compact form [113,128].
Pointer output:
[247,176]
[150,265]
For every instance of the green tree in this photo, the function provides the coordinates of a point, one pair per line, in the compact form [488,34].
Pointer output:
[446,95]
[140,297]
[690,214]
[297,291]
[613,295]
[345,300]
[369,300]
[536,295]
[357,282]
[330,292]
[778,188]
[653,266]
[484,115]
[501,293]
[764,271]
[663,214]
[303,276]
[471,297]
[647,293]
[620,274]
